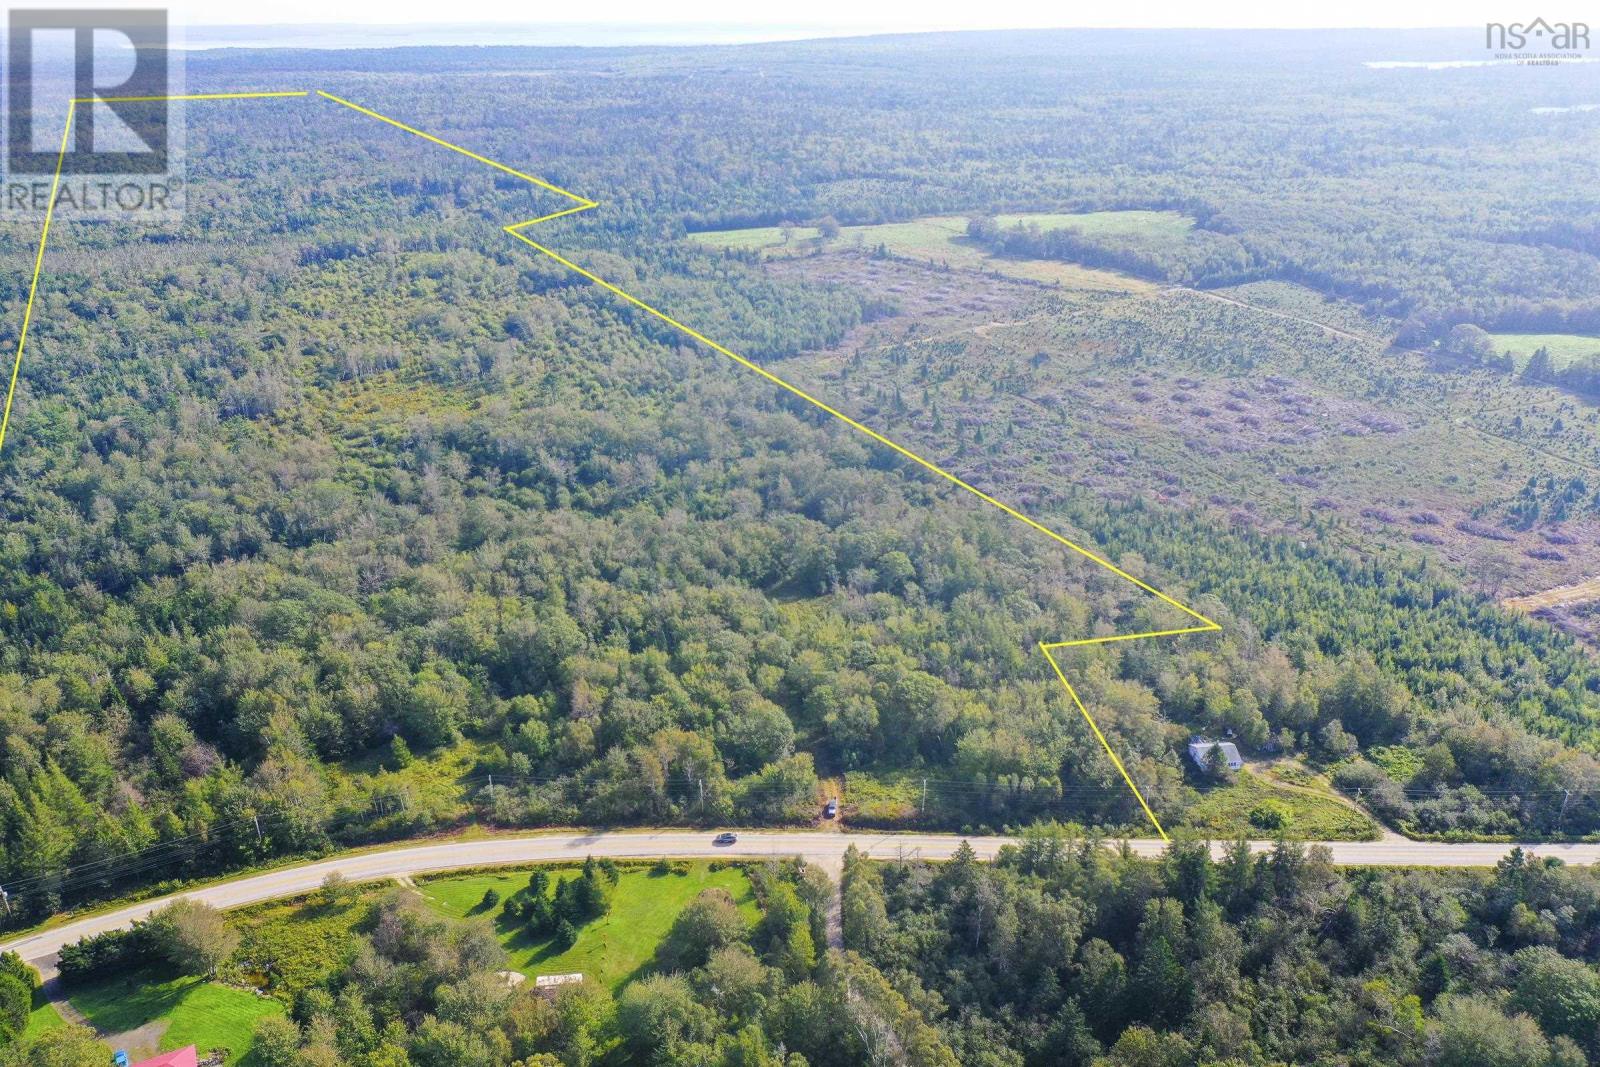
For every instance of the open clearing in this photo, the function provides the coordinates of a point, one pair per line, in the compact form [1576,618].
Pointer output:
[942,241]
[613,949]
[1564,348]
[1561,596]
[1282,408]
[1256,803]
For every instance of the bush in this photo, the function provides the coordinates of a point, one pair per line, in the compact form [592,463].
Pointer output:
[16,1001]
[566,935]
[490,898]
[1375,788]
[1268,817]
[13,964]
[99,955]
[336,888]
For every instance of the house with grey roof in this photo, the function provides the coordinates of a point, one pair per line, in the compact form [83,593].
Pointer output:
[1200,752]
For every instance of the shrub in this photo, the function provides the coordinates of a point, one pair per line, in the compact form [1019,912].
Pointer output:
[13,964]
[336,888]
[1375,788]
[491,897]
[16,1001]
[1268,817]
[104,954]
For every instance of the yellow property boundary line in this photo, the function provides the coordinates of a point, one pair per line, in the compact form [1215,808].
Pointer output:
[582,203]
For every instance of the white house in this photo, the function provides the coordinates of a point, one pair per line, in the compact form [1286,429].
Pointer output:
[1200,752]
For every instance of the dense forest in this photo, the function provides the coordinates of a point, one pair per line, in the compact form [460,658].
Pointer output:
[1060,954]
[335,484]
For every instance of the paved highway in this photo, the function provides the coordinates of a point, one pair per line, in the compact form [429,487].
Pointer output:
[826,849]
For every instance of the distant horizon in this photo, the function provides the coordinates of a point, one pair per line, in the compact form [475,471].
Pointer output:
[352,35]
[725,19]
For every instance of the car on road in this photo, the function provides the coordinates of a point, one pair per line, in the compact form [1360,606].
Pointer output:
[725,838]
[831,809]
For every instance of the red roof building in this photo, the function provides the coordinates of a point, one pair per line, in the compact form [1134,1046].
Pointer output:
[183,1057]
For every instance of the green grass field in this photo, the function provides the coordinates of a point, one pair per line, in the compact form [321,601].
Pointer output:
[1309,811]
[195,1012]
[43,1018]
[942,239]
[1170,225]
[1564,348]
[612,950]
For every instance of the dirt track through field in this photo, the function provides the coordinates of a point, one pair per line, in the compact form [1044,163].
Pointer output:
[1559,597]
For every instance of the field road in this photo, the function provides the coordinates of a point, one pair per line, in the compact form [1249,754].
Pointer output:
[825,849]
[1580,592]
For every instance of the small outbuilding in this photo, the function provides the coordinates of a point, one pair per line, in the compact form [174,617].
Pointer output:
[547,984]
[1200,752]
[547,981]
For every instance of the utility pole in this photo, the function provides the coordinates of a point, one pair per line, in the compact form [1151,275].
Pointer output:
[1566,798]
[924,809]
[702,783]
[257,820]
[4,896]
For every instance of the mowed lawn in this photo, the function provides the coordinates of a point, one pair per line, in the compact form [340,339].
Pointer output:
[195,1011]
[944,239]
[43,1018]
[611,950]
[1564,348]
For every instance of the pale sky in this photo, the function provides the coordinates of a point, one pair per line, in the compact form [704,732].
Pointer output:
[868,15]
